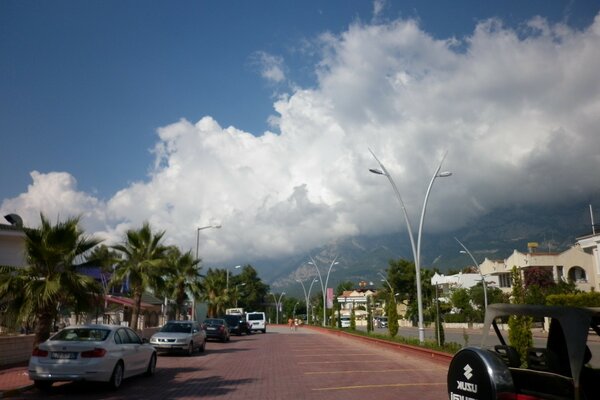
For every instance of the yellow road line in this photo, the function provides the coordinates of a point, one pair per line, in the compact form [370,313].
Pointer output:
[378,386]
[334,354]
[341,361]
[371,370]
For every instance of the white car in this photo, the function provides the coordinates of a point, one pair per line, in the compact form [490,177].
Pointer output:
[101,353]
[186,336]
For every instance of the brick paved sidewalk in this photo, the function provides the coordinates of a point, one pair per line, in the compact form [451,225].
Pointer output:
[13,380]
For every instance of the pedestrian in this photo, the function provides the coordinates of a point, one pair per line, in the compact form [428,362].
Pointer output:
[291,324]
[296,324]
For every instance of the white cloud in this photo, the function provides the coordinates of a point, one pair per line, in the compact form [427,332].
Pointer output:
[271,66]
[517,111]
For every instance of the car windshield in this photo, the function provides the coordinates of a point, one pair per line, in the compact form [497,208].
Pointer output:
[82,335]
[232,319]
[214,322]
[179,328]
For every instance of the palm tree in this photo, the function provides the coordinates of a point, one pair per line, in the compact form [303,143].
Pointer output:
[51,279]
[214,291]
[183,277]
[142,264]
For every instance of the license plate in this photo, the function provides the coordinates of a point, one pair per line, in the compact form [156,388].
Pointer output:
[60,355]
[211,329]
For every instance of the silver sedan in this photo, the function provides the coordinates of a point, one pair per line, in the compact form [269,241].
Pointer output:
[101,353]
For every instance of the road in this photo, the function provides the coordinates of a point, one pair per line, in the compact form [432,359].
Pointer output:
[281,364]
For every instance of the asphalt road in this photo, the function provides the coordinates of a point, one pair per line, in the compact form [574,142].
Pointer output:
[280,364]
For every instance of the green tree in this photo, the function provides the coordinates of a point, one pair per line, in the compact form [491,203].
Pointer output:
[519,334]
[51,279]
[182,277]
[392,314]
[142,265]
[214,292]
[343,286]
[252,294]
[352,319]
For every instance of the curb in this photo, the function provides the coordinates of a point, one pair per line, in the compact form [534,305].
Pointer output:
[438,356]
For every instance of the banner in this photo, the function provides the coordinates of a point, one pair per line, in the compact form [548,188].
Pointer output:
[329,298]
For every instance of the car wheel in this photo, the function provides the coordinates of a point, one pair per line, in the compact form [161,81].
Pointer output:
[224,339]
[202,347]
[117,376]
[264,331]
[44,386]
[151,365]
[190,349]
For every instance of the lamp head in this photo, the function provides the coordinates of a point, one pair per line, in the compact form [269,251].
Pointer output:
[444,174]
[376,171]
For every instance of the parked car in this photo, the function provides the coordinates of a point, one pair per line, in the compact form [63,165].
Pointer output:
[102,353]
[257,321]
[383,322]
[216,328]
[345,322]
[182,336]
[563,368]
[237,324]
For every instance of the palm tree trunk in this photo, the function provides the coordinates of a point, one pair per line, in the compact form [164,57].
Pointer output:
[43,327]
[137,306]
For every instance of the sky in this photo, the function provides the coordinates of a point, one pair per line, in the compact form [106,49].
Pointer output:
[259,115]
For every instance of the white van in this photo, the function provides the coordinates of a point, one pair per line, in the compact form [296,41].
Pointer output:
[257,321]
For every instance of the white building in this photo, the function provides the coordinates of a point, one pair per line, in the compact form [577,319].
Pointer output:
[446,283]
[12,244]
[579,264]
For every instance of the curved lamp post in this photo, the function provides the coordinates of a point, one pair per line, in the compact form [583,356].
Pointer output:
[466,251]
[197,246]
[307,297]
[334,262]
[416,249]
[277,305]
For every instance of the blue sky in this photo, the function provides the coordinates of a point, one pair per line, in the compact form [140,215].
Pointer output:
[101,102]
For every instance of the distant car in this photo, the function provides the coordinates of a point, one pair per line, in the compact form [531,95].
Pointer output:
[237,324]
[181,336]
[257,321]
[102,353]
[383,322]
[345,322]
[562,368]
[216,328]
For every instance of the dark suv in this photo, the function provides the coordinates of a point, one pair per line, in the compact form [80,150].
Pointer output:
[237,324]
[559,366]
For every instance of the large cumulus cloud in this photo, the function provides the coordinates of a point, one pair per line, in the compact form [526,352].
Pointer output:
[517,110]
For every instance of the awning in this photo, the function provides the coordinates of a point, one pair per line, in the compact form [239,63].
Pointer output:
[125,301]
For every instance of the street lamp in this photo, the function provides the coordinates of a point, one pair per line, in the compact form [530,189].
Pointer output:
[227,284]
[277,305]
[416,250]
[313,262]
[466,251]
[237,294]
[198,235]
[197,246]
[307,297]
[383,279]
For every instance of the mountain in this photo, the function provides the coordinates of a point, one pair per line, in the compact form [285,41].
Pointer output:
[495,236]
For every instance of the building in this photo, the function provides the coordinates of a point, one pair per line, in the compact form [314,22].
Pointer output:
[579,264]
[446,283]
[12,242]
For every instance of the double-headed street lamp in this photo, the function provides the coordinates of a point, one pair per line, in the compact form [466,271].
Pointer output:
[197,247]
[307,297]
[277,305]
[323,287]
[485,297]
[416,249]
